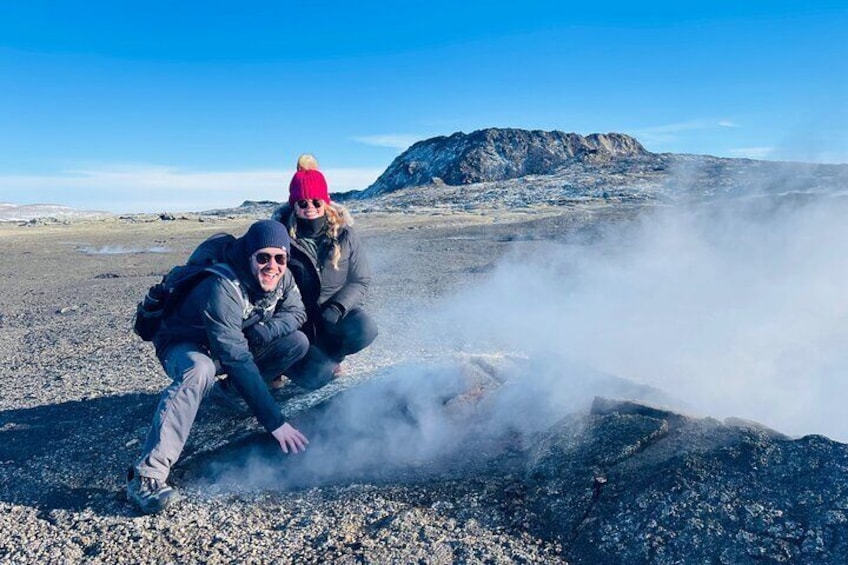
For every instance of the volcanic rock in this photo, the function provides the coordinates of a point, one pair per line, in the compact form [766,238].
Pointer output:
[498,154]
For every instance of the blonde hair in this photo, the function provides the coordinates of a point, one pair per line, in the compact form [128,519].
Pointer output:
[307,162]
[334,225]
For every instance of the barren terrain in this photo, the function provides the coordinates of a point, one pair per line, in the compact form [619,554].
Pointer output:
[79,389]
[415,454]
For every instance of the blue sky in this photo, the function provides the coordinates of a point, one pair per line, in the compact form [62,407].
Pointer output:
[153,106]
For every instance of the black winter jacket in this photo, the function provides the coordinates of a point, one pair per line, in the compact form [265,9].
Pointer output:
[320,283]
[215,313]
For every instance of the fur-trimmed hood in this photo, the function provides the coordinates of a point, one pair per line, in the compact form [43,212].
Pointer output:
[283,214]
[340,274]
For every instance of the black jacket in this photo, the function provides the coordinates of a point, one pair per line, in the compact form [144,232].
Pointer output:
[215,313]
[320,283]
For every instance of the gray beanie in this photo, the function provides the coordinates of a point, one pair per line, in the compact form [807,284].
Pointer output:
[265,233]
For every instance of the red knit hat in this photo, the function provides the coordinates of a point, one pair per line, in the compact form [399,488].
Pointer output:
[308,184]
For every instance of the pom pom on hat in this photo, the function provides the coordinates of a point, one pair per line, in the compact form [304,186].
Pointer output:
[308,184]
[307,162]
[265,233]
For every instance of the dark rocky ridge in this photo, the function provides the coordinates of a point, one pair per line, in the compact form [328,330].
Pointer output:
[498,154]
[497,168]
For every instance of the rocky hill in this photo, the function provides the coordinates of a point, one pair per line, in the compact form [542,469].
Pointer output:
[519,168]
[499,154]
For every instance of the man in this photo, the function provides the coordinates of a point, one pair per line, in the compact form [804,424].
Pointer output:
[246,328]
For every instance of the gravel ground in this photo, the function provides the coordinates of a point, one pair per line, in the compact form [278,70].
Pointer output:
[79,390]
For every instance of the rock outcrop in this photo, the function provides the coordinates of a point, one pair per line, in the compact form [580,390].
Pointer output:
[652,486]
[516,169]
[498,154]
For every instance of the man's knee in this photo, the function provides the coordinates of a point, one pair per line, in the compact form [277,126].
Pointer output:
[201,372]
[282,353]
[293,345]
[301,344]
[189,366]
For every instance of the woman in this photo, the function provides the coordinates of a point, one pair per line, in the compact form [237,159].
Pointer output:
[332,272]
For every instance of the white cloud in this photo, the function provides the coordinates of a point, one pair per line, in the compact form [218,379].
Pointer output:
[152,188]
[677,127]
[397,141]
[752,152]
[666,133]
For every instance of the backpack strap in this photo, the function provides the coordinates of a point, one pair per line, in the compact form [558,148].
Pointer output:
[227,273]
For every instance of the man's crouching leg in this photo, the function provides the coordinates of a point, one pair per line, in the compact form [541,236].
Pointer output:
[280,355]
[193,375]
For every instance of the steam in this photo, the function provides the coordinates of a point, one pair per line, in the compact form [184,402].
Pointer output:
[121,250]
[738,309]
[400,420]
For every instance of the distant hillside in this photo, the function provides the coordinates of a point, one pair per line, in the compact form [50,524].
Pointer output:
[30,212]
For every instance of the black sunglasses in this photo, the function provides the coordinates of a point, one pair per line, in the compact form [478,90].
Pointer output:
[304,204]
[263,259]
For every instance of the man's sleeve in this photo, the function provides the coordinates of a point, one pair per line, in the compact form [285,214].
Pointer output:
[289,314]
[223,318]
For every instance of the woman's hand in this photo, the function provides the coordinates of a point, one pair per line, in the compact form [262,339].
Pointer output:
[331,313]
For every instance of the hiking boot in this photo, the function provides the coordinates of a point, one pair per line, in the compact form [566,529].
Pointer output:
[147,494]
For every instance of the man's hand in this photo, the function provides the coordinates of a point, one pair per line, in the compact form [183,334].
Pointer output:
[258,335]
[289,438]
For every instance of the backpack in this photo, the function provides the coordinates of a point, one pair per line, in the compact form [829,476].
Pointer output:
[163,296]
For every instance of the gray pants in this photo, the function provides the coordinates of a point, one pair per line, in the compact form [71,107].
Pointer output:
[193,373]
